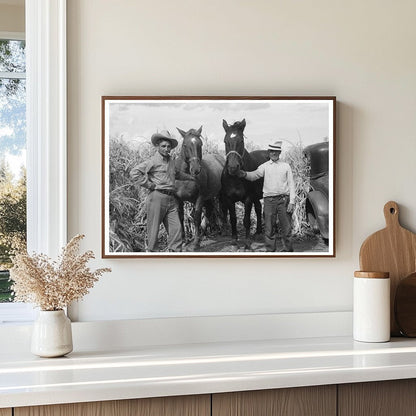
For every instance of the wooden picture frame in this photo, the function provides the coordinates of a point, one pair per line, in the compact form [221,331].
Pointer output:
[219,140]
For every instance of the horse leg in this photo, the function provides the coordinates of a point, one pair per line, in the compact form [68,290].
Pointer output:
[233,220]
[181,217]
[223,208]
[197,222]
[248,204]
[257,208]
[209,218]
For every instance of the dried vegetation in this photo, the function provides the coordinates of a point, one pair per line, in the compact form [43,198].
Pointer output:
[53,285]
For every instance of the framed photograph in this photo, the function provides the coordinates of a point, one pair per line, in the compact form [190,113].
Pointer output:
[218,176]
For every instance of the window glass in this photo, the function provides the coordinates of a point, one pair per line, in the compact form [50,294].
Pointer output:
[12,156]
[12,56]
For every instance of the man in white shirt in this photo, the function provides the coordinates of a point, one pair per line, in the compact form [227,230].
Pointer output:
[278,194]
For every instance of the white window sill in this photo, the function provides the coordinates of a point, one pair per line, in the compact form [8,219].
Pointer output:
[16,313]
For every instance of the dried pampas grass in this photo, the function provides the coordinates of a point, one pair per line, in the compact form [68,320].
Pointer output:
[53,285]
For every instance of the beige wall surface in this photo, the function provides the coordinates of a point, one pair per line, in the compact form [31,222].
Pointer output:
[363,52]
[12,18]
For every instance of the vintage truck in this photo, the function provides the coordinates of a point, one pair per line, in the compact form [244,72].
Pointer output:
[317,204]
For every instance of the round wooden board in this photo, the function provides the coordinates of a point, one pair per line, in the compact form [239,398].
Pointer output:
[405,305]
[392,250]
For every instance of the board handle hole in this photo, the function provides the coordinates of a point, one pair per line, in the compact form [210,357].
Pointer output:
[392,211]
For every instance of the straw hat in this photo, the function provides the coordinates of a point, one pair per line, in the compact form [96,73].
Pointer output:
[164,135]
[276,146]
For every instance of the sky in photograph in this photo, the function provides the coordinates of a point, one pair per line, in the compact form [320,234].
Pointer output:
[267,121]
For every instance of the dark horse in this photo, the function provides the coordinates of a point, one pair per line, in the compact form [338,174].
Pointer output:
[206,172]
[236,189]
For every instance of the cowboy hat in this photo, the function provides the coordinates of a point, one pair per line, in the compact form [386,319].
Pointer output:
[276,146]
[164,135]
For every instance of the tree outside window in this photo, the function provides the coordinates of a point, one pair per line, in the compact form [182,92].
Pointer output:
[12,156]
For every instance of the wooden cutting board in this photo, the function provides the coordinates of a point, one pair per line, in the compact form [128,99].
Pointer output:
[405,306]
[393,250]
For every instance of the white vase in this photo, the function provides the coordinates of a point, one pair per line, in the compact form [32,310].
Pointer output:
[52,334]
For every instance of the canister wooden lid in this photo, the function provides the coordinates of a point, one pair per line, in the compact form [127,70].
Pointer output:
[372,275]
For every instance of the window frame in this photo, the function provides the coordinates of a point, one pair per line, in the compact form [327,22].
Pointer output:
[46,138]
[46,125]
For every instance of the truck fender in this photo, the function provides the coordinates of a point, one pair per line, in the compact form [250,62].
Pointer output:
[319,204]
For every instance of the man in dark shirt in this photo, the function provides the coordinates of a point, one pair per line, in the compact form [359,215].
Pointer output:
[157,174]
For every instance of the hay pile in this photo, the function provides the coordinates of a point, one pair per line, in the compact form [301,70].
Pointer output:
[301,175]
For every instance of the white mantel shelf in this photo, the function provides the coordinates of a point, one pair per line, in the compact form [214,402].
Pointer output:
[167,370]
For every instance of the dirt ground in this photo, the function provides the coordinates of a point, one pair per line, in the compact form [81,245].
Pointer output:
[225,244]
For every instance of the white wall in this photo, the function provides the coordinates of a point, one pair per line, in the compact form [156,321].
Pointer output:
[363,52]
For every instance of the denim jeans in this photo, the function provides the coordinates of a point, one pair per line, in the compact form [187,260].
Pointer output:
[276,207]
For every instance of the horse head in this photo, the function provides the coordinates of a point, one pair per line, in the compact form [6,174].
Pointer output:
[191,151]
[234,145]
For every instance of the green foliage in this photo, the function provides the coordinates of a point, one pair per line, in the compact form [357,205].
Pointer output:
[6,294]
[12,213]
[12,224]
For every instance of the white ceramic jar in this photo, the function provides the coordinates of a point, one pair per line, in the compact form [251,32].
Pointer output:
[371,309]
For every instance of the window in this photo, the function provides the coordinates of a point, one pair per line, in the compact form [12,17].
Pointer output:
[46,135]
[12,153]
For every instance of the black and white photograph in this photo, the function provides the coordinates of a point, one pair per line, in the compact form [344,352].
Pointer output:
[218,176]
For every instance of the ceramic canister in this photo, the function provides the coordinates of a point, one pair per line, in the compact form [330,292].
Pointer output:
[371,309]
[52,334]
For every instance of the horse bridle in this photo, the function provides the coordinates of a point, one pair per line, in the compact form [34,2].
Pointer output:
[235,152]
[189,160]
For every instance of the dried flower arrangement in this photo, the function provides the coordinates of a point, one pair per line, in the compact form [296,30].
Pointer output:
[53,285]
